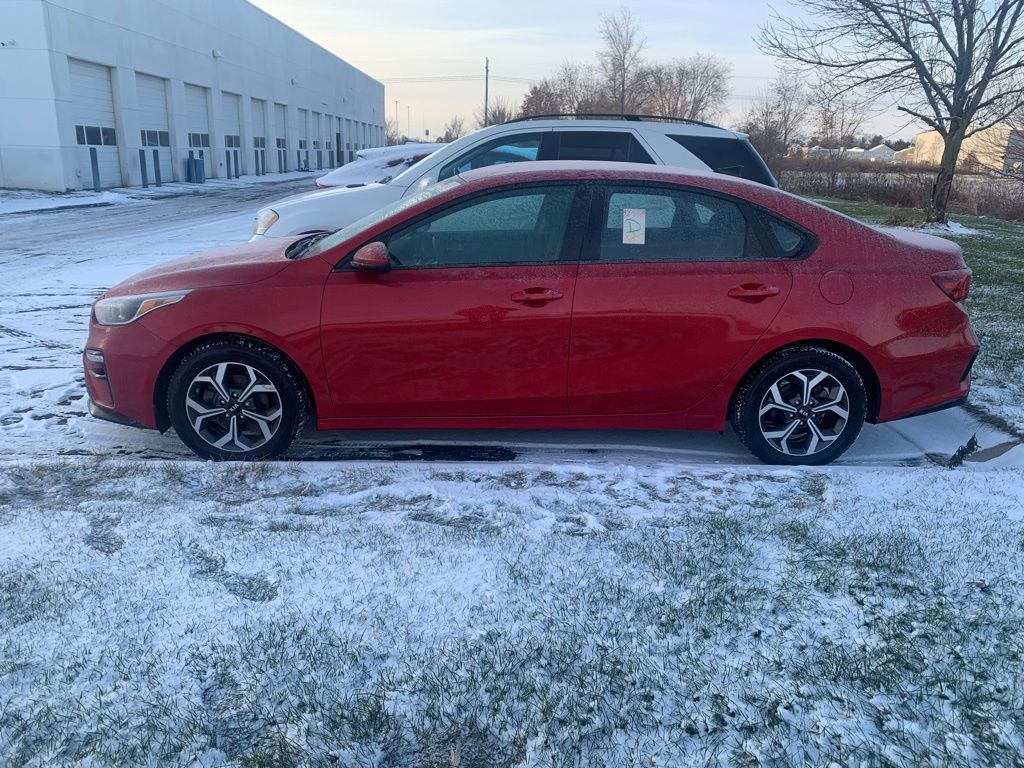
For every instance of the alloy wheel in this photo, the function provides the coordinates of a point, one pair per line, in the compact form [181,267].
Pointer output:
[804,412]
[233,407]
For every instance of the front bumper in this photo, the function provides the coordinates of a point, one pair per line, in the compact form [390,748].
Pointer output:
[99,412]
[132,360]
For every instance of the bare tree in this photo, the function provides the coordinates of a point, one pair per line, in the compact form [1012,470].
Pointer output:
[453,129]
[543,98]
[838,117]
[393,134]
[621,60]
[776,117]
[957,66]
[501,111]
[575,89]
[581,89]
[695,87]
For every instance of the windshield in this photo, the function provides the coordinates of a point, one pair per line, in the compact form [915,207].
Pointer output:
[408,173]
[375,218]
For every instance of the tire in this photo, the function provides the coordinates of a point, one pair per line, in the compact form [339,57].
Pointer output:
[209,413]
[772,402]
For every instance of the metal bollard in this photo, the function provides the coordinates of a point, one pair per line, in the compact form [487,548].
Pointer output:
[156,166]
[142,167]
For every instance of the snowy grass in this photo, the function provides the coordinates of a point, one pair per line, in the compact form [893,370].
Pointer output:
[994,249]
[445,615]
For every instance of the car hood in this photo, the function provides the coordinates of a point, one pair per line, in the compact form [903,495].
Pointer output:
[234,265]
[338,194]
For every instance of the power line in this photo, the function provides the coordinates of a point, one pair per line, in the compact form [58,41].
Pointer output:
[456,79]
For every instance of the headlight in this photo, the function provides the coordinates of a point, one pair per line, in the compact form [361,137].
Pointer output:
[121,310]
[264,220]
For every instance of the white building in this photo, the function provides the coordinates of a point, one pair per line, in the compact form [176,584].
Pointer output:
[882,153]
[112,92]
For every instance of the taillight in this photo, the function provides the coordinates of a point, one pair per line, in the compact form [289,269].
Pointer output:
[955,283]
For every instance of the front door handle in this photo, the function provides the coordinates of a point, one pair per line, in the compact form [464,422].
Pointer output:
[753,292]
[531,295]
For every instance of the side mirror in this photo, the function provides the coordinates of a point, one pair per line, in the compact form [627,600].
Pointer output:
[372,257]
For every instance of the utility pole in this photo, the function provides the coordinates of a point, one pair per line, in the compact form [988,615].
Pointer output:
[408,121]
[396,114]
[487,89]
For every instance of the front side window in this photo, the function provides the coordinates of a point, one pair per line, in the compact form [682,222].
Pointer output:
[651,224]
[519,148]
[523,226]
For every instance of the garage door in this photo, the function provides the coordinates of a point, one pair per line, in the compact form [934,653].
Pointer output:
[93,109]
[281,137]
[197,125]
[154,125]
[232,133]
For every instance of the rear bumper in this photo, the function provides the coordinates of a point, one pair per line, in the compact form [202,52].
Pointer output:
[921,373]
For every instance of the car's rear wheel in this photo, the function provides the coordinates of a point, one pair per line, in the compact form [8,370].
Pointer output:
[805,405]
[236,400]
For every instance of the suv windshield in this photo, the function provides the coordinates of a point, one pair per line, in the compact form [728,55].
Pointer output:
[375,218]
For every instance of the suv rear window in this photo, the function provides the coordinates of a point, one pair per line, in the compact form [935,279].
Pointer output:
[618,146]
[733,157]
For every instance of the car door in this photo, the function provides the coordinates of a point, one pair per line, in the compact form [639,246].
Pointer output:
[675,285]
[471,321]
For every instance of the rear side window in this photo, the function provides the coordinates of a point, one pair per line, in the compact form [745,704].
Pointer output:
[651,224]
[616,146]
[733,157]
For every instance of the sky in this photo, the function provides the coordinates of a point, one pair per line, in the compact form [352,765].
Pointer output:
[401,42]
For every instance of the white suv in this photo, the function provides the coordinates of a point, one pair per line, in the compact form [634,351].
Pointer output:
[626,138]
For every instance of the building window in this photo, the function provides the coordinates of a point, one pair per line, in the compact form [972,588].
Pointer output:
[302,144]
[198,140]
[259,142]
[95,136]
[156,139]
[232,141]
[281,144]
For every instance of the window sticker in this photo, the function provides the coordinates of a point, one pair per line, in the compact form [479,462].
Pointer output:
[634,226]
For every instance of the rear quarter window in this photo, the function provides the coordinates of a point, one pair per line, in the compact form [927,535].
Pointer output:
[730,156]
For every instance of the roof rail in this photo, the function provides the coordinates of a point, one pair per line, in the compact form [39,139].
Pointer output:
[613,116]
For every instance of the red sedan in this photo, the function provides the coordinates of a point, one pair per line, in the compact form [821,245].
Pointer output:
[548,295]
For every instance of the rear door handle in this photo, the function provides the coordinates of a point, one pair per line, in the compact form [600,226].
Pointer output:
[530,295]
[753,292]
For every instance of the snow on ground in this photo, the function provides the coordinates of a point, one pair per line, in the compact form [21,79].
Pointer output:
[373,614]
[529,599]
[28,201]
[372,165]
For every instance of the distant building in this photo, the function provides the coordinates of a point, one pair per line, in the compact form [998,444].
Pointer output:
[882,153]
[108,93]
[995,149]
[907,155]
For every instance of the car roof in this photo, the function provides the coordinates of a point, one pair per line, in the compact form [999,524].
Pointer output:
[605,170]
[642,126]
[614,171]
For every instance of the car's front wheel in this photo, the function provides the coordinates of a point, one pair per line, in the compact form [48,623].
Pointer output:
[805,405]
[236,400]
